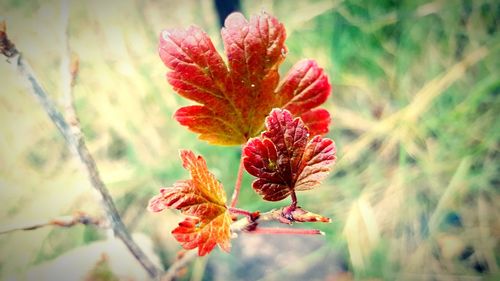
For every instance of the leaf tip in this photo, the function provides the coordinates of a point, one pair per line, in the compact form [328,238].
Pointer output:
[155,204]
[188,158]
[164,34]
[235,19]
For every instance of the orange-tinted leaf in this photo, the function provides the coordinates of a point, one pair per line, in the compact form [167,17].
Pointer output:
[235,99]
[285,159]
[202,198]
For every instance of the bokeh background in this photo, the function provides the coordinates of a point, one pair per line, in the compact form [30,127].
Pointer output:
[415,105]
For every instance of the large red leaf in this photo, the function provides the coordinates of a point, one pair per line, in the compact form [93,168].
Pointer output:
[235,99]
[284,158]
[203,199]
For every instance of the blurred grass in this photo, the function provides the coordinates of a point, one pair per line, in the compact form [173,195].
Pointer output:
[415,108]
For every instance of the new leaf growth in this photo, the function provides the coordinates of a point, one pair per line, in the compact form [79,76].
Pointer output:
[203,199]
[285,158]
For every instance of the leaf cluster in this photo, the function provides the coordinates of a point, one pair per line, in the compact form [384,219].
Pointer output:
[244,102]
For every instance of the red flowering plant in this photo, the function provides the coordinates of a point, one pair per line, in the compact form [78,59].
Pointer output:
[243,102]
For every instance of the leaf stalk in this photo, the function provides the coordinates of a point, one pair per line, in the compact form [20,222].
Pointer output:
[237,185]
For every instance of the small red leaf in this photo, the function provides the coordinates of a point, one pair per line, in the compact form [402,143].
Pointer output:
[202,198]
[284,159]
[317,121]
[235,98]
[305,87]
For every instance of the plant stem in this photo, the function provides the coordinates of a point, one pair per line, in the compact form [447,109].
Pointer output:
[237,185]
[293,206]
[62,221]
[293,231]
[238,211]
[174,268]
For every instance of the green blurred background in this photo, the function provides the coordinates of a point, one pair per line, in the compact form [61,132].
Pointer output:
[415,105]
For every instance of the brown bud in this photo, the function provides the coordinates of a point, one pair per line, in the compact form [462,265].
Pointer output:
[300,215]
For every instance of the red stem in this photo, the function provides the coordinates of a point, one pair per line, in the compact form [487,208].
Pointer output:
[278,230]
[237,185]
[238,211]
[293,206]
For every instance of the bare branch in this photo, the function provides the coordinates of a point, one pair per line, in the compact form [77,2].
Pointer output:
[63,221]
[281,230]
[250,224]
[178,264]
[74,140]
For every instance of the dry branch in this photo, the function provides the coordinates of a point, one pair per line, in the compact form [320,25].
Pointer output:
[74,140]
[63,221]
[177,265]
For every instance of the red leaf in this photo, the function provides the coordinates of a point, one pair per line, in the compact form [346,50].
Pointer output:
[203,199]
[317,121]
[305,87]
[284,159]
[235,99]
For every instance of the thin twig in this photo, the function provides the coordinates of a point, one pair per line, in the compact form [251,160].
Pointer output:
[74,139]
[281,230]
[250,223]
[69,70]
[63,221]
[237,211]
[178,264]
